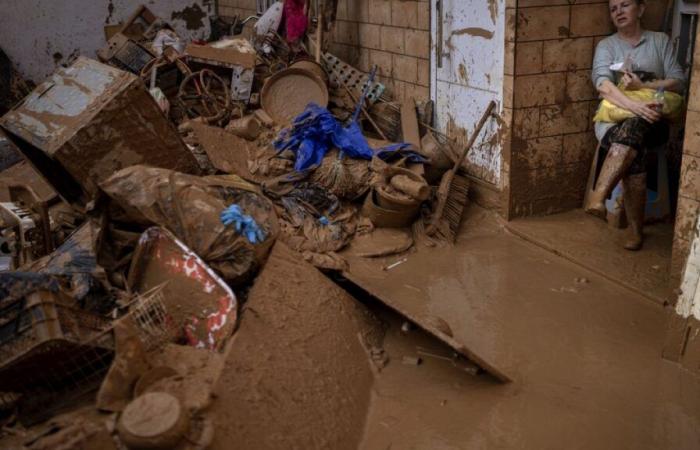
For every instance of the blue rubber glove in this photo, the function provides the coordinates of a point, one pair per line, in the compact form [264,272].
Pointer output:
[243,224]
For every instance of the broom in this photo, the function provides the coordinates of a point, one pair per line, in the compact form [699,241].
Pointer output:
[453,190]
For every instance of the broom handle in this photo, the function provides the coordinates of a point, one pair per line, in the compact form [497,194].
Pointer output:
[449,176]
[365,91]
[473,137]
[319,31]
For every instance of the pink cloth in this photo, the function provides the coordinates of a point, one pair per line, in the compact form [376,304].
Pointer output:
[294,19]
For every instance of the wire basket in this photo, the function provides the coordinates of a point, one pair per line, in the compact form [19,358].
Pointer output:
[149,314]
[50,351]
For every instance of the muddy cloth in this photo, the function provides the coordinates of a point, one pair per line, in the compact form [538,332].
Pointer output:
[327,261]
[638,134]
[190,207]
[265,162]
[313,221]
[282,185]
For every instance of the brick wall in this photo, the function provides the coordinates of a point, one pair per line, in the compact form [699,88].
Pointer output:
[682,343]
[689,191]
[553,100]
[393,34]
[241,8]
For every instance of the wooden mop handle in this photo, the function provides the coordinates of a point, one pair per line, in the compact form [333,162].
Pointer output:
[319,30]
[474,135]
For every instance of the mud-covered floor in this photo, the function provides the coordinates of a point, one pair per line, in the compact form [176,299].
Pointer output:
[584,402]
[590,242]
[584,353]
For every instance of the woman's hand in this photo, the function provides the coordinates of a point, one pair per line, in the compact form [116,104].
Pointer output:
[631,82]
[645,110]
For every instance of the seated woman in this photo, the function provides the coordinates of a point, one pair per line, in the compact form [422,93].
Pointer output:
[646,60]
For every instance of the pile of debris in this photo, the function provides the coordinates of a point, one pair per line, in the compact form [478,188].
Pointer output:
[177,166]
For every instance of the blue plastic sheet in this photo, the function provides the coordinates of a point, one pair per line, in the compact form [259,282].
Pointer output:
[316,131]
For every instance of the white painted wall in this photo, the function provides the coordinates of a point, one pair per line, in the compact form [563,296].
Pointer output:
[689,299]
[33,31]
[472,73]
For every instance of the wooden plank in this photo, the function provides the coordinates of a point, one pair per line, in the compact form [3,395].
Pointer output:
[409,123]
[489,295]
[411,131]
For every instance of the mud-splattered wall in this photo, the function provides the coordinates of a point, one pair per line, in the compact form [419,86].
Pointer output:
[554,100]
[241,8]
[683,334]
[469,72]
[689,192]
[40,34]
[394,35]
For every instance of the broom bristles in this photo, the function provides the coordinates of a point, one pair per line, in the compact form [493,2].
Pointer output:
[455,187]
[455,202]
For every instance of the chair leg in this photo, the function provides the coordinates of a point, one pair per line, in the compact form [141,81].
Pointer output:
[590,185]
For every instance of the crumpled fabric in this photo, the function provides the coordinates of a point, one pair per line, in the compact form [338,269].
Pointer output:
[313,220]
[167,38]
[327,261]
[294,20]
[315,131]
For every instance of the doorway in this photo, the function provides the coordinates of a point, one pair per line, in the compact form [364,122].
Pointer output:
[467,72]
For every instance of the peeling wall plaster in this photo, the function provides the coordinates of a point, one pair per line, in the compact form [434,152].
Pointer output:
[689,297]
[39,35]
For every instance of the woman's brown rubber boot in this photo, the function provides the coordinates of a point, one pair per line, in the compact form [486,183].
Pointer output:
[635,195]
[617,161]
